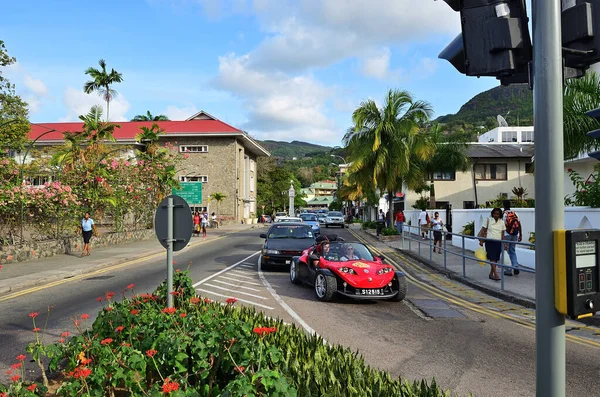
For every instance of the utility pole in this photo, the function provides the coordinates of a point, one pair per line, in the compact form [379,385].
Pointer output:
[549,211]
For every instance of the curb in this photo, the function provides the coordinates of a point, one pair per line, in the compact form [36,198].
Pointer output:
[15,287]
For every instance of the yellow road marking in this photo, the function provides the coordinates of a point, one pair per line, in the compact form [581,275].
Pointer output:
[464,303]
[95,272]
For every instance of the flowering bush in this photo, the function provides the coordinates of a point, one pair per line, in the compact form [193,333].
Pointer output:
[587,191]
[204,348]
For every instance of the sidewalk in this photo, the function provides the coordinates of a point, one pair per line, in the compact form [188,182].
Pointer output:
[22,275]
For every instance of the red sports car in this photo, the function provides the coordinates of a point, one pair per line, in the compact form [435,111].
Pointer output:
[348,269]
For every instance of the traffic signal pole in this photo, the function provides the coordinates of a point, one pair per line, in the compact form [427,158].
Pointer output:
[549,192]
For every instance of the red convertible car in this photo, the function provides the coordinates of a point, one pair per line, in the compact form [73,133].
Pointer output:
[347,269]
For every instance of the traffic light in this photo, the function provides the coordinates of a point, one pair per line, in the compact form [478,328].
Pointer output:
[580,35]
[596,133]
[495,40]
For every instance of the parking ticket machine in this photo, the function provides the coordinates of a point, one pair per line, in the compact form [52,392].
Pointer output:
[577,272]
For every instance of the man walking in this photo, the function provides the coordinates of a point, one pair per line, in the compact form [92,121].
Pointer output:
[424,223]
[380,222]
[400,219]
[513,233]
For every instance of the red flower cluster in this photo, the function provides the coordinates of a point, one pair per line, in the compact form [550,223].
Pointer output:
[21,357]
[85,316]
[36,329]
[15,378]
[119,328]
[231,301]
[134,312]
[130,286]
[65,334]
[175,293]
[16,366]
[182,315]
[82,372]
[169,386]
[151,352]
[100,298]
[195,300]
[169,310]
[109,295]
[33,315]
[264,330]
[86,361]
[240,368]
[32,387]
[106,341]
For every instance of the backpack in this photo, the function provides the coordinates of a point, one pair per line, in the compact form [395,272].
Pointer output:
[512,223]
[428,219]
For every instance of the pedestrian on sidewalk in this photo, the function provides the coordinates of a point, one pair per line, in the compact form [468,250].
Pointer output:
[204,223]
[380,221]
[513,233]
[87,229]
[493,228]
[424,223]
[437,224]
[400,219]
[197,220]
[215,221]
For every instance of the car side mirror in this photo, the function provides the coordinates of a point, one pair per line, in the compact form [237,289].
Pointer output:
[263,235]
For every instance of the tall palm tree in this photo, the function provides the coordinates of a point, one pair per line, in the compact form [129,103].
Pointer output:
[450,155]
[150,117]
[386,146]
[102,82]
[218,197]
[580,96]
[149,137]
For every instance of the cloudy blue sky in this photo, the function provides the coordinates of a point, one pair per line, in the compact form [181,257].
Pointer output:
[280,69]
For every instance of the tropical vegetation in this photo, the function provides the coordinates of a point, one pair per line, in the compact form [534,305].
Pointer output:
[150,117]
[102,82]
[138,346]
[13,110]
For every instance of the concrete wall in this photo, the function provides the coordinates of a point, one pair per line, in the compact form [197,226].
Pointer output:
[457,191]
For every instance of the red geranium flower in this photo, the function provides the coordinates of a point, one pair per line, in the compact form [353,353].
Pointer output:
[119,328]
[82,372]
[240,368]
[182,315]
[264,330]
[85,316]
[106,341]
[33,315]
[15,378]
[36,329]
[130,286]
[195,300]
[169,386]
[16,365]
[570,169]
[100,298]
[21,357]
[86,361]
[32,387]
[206,300]
[230,301]
[169,310]
[109,309]
[151,352]
[109,295]
[134,312]
[65,334]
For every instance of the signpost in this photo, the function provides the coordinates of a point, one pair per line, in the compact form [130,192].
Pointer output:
[173,226]
[190,192]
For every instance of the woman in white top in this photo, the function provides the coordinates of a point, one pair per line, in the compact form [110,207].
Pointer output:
[349,254]
[436,224]
[494,228]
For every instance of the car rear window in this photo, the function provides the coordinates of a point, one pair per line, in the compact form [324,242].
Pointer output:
[308,217]
[290,231]
[333,213]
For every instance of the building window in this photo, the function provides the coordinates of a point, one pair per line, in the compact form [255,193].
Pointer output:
[527,136]
[529,168]
[251,183]
[198,208]
[509,136]
[444,176]
[251,165]
[194,178]
[468,205]
[193,149]
[490,172]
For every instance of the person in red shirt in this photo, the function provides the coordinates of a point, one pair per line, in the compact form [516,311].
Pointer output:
[400,219]
[197,221]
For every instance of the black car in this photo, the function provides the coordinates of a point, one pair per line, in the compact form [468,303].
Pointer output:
[283,241]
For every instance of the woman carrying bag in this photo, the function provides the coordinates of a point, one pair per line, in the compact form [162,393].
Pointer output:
[493,228]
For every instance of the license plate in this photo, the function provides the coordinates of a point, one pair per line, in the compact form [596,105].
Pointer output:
[288,262]
[370,292]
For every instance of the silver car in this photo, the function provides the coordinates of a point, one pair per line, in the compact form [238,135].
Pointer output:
[334,218]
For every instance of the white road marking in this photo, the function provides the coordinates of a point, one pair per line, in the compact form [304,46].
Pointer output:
[235,285]
[224,270]
[248,266]
[241,281]
[244,271]
[235,291]
[240,275]
[239,299]
[285,306]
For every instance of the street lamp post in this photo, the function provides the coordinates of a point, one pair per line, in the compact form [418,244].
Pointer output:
[292,194]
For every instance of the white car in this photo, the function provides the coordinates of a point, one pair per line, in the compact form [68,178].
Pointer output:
[334,218]
[287,219]
[278,215]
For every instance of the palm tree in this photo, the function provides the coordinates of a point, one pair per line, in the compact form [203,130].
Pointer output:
[450,155]
[218,197]
[96,130]
[70,153]
[580,96]
[386,146]
[101,83]
[149,137]
[150,117]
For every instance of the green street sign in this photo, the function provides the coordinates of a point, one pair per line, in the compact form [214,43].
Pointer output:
[190,192]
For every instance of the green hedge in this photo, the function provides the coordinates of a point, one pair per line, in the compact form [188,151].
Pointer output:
[205,348]
[389,231]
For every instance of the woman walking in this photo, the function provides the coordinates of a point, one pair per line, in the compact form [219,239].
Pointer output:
[437,224]
[204,223]
[197,223]
[87,229]
[493,229]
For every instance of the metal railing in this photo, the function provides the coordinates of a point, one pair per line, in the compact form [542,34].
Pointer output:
[407,235]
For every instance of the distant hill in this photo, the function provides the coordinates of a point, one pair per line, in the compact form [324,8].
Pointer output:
[517,99]
[288,150]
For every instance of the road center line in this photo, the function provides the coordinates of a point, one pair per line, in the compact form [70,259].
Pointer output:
[284,305]
[225,270]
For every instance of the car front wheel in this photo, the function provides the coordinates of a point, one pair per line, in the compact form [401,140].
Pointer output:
[294,273]
[325,287]
[402,288]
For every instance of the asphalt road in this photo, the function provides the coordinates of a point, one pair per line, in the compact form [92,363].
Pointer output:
[426,336]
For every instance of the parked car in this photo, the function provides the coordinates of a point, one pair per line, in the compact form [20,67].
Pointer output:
[334,218]
[288,219]
[283,241]
[311,219]
[321,218]
[278,214]
[267,219]
[348,269]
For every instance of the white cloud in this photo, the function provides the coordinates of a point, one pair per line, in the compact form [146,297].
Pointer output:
[78,103]
[378,65]
[279,106]
[177,114]
[36,86]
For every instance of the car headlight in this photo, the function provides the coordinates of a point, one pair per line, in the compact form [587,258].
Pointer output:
[347,270]
[385,270]
[270,252]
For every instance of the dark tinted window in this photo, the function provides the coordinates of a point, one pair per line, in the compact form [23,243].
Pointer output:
[308,217]
[290,231]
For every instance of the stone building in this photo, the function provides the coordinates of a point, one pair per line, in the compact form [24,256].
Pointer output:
[221,156]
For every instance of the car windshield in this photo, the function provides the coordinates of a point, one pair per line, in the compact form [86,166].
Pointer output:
[280,214]
[308,217]
[290,231]
[334,213]
[340,252]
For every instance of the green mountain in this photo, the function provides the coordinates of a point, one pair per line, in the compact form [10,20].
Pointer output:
[483,108]
[288,150]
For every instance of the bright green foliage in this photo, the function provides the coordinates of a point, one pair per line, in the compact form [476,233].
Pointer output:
[150,117]
[587,191]
[203,348]
[273,185]
[102,81]
[580,96]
